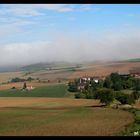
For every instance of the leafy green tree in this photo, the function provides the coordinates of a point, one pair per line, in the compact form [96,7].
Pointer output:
[24,86]
[87,86]
[100,83]
[136,95]
[117,86]
[127,84]
[105,95]
[94,85]
[80,95]
[116,81]
[17,80]
[72,87]
[89,93]
[107,82]
[136,85]
[115,77]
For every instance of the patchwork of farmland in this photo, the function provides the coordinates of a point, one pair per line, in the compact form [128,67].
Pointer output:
[68,73]
[50,110]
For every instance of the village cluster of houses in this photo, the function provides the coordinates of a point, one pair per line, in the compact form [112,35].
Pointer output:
[82,82]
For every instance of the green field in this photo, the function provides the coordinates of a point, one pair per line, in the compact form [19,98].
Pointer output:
[59,90]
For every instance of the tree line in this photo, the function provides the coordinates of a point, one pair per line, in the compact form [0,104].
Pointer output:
[17,79]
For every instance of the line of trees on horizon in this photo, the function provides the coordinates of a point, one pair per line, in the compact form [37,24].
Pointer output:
[17,79]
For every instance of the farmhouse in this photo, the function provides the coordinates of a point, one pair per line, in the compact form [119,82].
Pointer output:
[124,74]
[135,72]
[82,83]
[30,88]
[81,86]
[84,80]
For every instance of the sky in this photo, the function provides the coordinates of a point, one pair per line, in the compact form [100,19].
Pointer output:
[32,33]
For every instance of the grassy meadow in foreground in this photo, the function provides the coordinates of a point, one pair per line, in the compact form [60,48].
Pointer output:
[59,116]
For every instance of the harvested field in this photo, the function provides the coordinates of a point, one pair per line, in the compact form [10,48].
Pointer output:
[59,117]
[103,70]
[52,74]
[6,76]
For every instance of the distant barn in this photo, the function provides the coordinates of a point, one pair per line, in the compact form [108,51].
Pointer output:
[135,72]
[124,74]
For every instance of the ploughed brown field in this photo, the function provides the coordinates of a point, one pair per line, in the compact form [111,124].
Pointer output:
[105,69]
[6,76]
[28,116]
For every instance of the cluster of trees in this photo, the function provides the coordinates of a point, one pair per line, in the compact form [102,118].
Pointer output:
[72,86]
[117,82]
[21,79]
[109,89]
[107,96]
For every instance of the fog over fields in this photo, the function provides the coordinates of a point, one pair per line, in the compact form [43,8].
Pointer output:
[71,49]
[61,33]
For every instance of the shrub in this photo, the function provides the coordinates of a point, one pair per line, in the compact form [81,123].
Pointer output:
[30,79]
[89,94]
[137,116]
[118,94]
[80,95]
[17,80]
[72,87]
[117,86]
[96,95]
[77,95]
[136,95]
[126,99]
